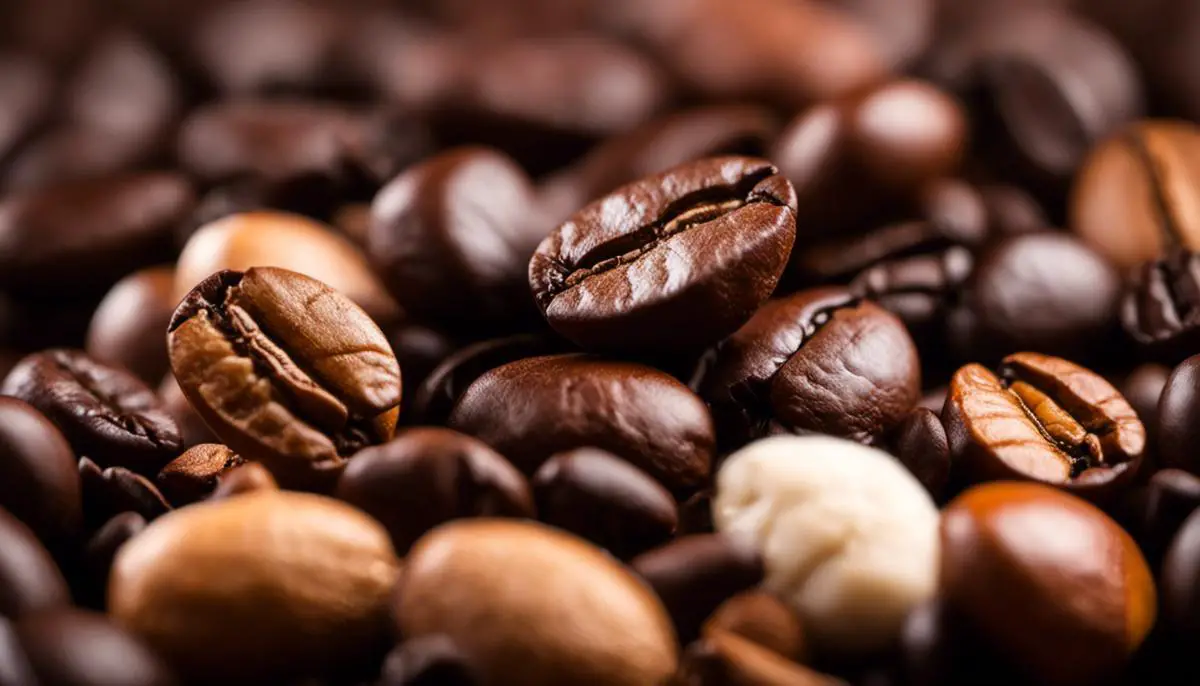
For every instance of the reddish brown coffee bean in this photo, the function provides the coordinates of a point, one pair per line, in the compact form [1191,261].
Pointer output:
[30,582]
[1050,579]
[127,327]
[39,481]
[194,475]
[247,478]
[762,618]
[99,552]
[109,492]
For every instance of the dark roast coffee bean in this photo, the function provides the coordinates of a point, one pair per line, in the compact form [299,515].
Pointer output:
[194,475]
[1011,210]
[30,582]
[419,350]
[286,371]
[1044,419]
[109,492]
[127,328]
[673,262]
[1132,200]
[69,154]
[1143,388]
[27,93]
[1161,307]
[902,30]
[854,159]
[191,427]
[14,666]
[1044,291]
[431,660]
[763,618]
[105,412]
[1170,498]
[606,500]
[922,290]
[940,647]
[452,236]
[530,410]
[62,238]
[99,552]
[76,648]
[39,482]
[695,514]
[442,388]
[1179,418]
[1181,570]
[124,87]
[814,362]
[726,659]
[921,446]
[426,476]
[695,574]
[247,478]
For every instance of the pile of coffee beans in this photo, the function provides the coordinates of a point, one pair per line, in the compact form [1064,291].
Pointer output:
[599,342]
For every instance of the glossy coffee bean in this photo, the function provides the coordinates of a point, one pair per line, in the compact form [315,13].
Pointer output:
[695,514]
[109,492]
[634,270]
[726,659]
[1171,496]
[1178,412]
[1179,573]
[426,476]
[1132,198]
[1143,388]
[105,412]
[30,582]
[921,445]
[39,483]
[1044,419]
[127,327]
[452,237]
[606,500]
[1160,310]
[432,660]
[124,87]
[1011,210]
[314,579]
[868,151]
[762,618]
[76,648]
[695,574]
[527,412]
[285,370]
[1044,291]
[194,475]
[191,427]
[248,478]
[419,349]
[1051,580]
[90,233]
[100,551]
[288,241]
[550,609]
[791,365]
[73,154]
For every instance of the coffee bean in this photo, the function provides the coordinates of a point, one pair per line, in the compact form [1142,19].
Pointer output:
[14,666]
[452,237]
[314,580]
[285,370]
[1160,310]
[1177,418]
[431,660]
[99,552]
[1132,198]
[725,659]
[791,364]
[191,427]
[426,476]
[76,648]
[1142,388]
[39,483]
[353,221]
[278,239]
[247,478]
[127,327]
[27,88]
[74,154]
[104,412]
[30,583]
[1044,419]
[1048,578]
[109,492]
[940,647]
[634,270]
[695,574]
[194,475]
[848,537]
[921,445]
[527,411]
[600,497]
[550,609]
[60,239]
[762,618]
[1171,496]
[124,88]
[695,514]
[1011,210]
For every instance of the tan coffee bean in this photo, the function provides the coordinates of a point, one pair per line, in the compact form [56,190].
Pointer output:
[533,606]
[258,589]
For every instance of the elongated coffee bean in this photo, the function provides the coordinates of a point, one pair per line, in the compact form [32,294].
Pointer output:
[286,371]
[673,262]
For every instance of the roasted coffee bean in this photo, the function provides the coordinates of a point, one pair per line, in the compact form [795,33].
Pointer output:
[27,87]
[1011,210]
[39,483]
[286,371]
[314,580]
[1132,200]
[695,574]
[791,365]
[1142,388]
[1161,307]
[763,618]
[902,30]
[287,241]
[673,262]
[191,427]
[194,475]
[1179,418]
[426,476]
[1048,578]
[109,492]
[445,384]
[528,411]
[419,349]
[1181,568]
[725,659]
[68,154]
[1170,497]
[77,648]
[105,412]
[1044,419]
[99,552]
[534,606]
[452,237]
[655,147]
[123,88]
[695,514]
[853,160]
[921,445]
[1043,291]
[247,478]
[60,239]
[30,582]
[431,660]
[600,497]
[127,327]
